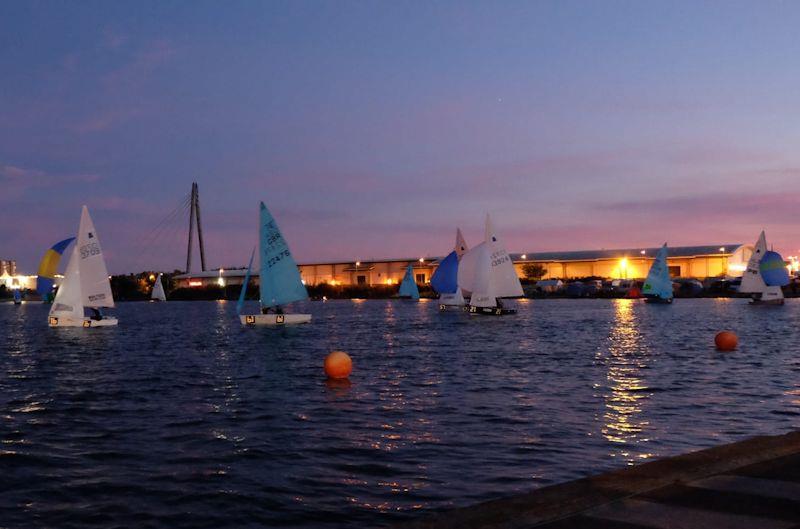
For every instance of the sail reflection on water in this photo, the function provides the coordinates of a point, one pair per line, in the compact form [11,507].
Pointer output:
[626,392]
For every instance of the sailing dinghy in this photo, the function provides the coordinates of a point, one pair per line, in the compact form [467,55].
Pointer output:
[158,290]
[17,297]
[658,285]
[765,275]
[280,282]
[488,272]
[85,284]
[408,288]
[445,279]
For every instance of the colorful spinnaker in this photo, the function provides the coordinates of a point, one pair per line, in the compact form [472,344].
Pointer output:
[48,267]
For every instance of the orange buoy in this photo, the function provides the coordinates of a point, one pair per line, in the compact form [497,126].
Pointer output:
[726,341]
[338,365]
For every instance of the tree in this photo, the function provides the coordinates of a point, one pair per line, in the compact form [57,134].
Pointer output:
[533,271]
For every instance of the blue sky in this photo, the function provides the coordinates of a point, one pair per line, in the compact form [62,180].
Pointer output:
[373,129]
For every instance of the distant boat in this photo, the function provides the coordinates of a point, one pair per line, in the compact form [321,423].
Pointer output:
[488,272]
[280,282]
[408,288]
[158,291]
[17,297]
[658,285]
[445,279]
[85,285]
[48,267]
[764,276]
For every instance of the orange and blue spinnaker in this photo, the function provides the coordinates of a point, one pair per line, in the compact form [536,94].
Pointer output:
[48,267]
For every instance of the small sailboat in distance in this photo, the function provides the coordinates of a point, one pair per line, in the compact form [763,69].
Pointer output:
[488,272]
[658,285]
[17,297]
[158,293]
[765,275]
[280,282]
[445,279]
[85,285]
[408,288]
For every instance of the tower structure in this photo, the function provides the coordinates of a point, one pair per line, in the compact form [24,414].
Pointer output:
[194,217]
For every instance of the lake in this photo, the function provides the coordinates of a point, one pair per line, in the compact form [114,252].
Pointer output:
[180,417]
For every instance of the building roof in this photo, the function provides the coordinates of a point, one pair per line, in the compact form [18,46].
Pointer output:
[594,255]
[583,255]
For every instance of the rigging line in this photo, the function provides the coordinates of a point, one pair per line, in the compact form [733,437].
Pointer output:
[146,243]
[138,243]
[145,246]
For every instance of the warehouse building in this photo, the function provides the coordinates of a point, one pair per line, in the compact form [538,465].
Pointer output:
[697,262]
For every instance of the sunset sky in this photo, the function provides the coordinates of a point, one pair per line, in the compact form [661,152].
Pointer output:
[373,129]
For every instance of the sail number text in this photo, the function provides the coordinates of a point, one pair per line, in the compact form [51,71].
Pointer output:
[499,258]
[89,249]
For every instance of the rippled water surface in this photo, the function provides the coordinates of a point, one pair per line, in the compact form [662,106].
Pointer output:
[182,418]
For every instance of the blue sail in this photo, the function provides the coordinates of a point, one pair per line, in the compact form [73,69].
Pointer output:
[409,287]
[243,293]
[658,283]
[17,296]
[279,276]
[445,278]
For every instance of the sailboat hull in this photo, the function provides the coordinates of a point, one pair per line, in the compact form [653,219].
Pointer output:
[490,311]
[657,300]
[448,306]
[770,296]
[274,319]
[61,321]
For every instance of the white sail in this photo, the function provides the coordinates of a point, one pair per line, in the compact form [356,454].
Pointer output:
[68,301]
[455,298]
[158,290]
[488,272]
[95,286]
[461,244]
[752,282]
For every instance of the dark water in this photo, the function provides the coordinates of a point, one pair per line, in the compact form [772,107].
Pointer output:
[181,418]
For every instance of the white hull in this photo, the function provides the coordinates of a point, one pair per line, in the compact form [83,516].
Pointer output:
[66,321]
[770,296]
[274,319]
[452,306]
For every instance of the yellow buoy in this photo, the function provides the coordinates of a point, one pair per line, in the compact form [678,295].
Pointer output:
[726,341]
[338,365]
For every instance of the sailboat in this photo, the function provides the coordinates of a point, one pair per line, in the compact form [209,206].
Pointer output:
[158,290]
[445,279]
[408,288]
[85,284]
[765,275]
[17,297]
[658,285]
[488,272]
[280,282]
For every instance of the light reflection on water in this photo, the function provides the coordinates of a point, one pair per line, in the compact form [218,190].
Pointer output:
[191,419]
[626,358]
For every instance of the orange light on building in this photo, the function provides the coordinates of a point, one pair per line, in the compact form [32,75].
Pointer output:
[195,283]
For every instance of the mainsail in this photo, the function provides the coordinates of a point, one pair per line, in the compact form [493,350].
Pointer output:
[279,275]
[488,272]
[94,283]
[658,283]
[158,290]
[409,286]
[752,281]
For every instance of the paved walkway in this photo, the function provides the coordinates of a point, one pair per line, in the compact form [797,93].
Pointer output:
[753,484]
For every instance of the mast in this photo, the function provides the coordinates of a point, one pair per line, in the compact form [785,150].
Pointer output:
[191,228]
[194,217]
[199,227]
